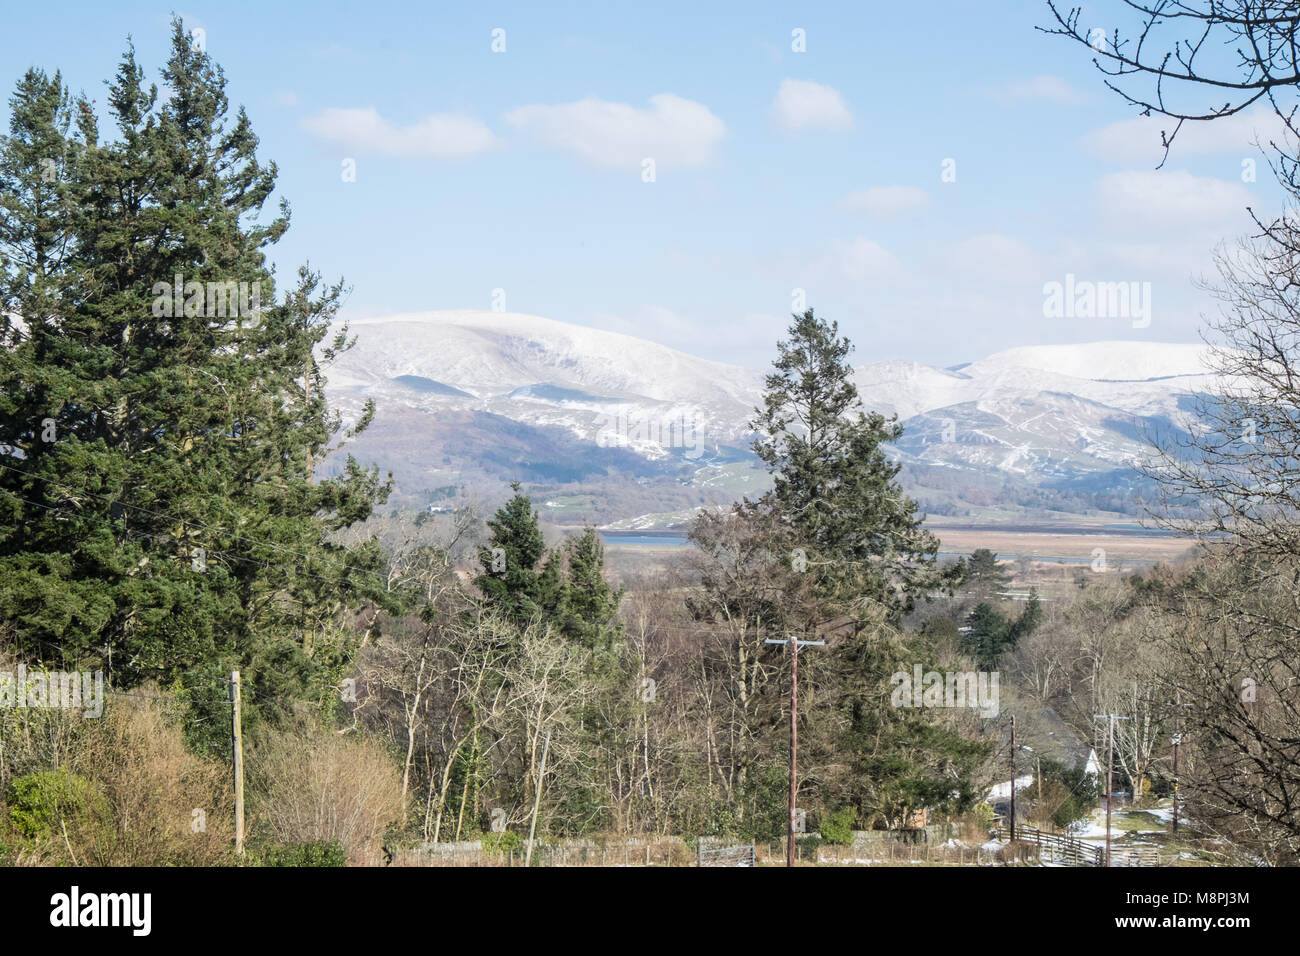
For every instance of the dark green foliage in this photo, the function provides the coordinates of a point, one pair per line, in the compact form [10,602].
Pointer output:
[987,634]
[1078,791]
[564,587]
[902,759]
[505,842]
[766,804]
[983,574]
[991,633]
[158,512]
[860,560]
[837,828]
[42,804]
[511,580]
[304,854]
[591,605]
[833,481]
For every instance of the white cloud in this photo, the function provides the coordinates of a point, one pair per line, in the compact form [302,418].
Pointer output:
[885,202]
[673,131]
[438,136]
[285,98]
[861,258]
[995,257]
[803,104]
[1050,89]
[1137,140]
[1173,199]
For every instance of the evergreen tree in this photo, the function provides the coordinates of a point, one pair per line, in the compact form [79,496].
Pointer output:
[833,480]
[36,182]
[157,503]
[564,587]
[991,633]
[986,635]
[983,573]
[511,579]
[852,530]
[1027,622]
[590,614]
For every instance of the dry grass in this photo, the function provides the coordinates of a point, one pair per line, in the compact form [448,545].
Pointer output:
[145,788]
[328,788]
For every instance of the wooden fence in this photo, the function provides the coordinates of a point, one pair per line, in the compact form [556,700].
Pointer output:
[1056,847]
[665,853]
[725,856]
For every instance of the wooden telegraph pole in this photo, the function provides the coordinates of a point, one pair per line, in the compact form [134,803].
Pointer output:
[1178,740]
[794,733]
[237,733]
[1013,778]
[1110,771]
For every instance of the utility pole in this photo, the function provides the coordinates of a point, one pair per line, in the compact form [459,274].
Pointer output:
[237,733]
[795,644]
[1013,778]
[1039,758]
[1178,739]
[1110,771]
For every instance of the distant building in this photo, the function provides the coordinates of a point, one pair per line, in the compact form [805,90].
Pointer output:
[1092,767]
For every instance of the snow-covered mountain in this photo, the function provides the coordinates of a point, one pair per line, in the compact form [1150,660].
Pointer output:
[611,389]
[486,391]
[1041,412]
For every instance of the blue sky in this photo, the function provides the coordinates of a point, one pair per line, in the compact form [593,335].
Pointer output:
[774,170]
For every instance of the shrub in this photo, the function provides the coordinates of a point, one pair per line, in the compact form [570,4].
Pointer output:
[501,842]
[806,847]
[43,805]
[169,806]
[837,828]
[304,854]
[313,786]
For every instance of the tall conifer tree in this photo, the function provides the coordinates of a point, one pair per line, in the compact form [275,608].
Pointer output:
[162,405]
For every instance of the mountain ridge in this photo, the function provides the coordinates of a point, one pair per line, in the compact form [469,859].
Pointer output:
[1041,415]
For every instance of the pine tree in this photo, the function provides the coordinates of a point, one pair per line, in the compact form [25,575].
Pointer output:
[991,633]
[511,579]
[833,480]
[987,634]
[983,573]
[590,613]
[157,507]
[862,541]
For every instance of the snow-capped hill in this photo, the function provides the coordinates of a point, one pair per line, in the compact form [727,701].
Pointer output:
[489,353]
[908,388]
[1102,361]
[502,394]
[1134,378]
[604,387]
